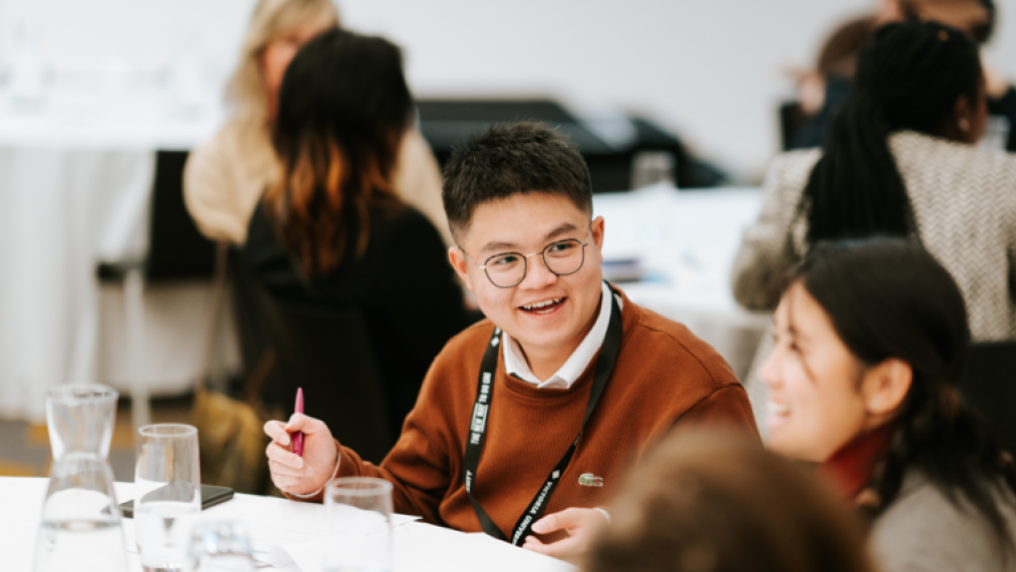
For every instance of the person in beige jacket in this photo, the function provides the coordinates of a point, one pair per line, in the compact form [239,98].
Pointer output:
[226,176]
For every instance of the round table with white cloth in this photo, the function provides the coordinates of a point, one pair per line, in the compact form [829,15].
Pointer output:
[76,174]
[682,244]
[295,530]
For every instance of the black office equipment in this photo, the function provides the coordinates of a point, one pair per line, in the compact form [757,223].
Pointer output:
[612,159]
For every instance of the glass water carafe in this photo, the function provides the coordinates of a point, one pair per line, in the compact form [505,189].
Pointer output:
[80,418]
[80,529]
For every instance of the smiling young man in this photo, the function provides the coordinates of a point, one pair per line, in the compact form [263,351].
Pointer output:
[526,420]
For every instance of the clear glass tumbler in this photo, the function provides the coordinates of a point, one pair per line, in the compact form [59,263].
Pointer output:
[221,546]
[80,529]
[80,418]
[167,480]
[359,531]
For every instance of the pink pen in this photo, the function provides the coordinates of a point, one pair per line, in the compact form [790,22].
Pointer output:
[298,436]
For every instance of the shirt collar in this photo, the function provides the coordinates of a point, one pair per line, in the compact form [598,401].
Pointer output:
[516,364]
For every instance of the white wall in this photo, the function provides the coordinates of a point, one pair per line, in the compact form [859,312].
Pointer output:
[710,69]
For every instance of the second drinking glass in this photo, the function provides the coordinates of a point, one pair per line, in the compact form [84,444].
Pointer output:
[167,482]
[359,532]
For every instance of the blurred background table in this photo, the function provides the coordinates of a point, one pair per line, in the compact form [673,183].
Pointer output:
[681,244]
[76,170]
[298,528]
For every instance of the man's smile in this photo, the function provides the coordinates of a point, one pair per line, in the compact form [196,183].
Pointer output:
[544,307]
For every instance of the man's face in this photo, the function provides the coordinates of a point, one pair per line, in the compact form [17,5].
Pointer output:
[527,223]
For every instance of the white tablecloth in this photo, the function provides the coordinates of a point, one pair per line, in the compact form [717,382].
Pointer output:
[75,180]
[296,527]
[685,242]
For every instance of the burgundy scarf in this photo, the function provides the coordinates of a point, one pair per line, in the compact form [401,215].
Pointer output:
[850,468]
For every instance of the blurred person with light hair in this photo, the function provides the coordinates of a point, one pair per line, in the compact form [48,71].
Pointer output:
[706,501]
[226,176]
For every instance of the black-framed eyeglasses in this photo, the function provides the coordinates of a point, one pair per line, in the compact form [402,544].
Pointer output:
[509,269]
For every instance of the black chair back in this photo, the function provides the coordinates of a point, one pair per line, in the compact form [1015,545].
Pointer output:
[447,123]
[253,332]
[176,249]
[989,385]
[327,352]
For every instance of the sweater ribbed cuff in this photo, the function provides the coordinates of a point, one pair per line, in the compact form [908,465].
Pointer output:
[338,459]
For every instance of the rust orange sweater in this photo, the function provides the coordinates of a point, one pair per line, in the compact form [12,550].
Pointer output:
[664,375]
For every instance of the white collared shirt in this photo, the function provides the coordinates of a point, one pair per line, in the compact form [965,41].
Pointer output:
[516,364]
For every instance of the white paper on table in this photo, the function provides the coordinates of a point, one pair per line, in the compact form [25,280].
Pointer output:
[297,528]
[302,535]
[423,547]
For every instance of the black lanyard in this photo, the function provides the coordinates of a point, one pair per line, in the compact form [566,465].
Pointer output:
[478,427]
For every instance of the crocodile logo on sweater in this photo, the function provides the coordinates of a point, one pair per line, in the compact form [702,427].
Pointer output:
[590,480]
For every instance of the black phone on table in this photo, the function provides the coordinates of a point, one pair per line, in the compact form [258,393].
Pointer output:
[210,496]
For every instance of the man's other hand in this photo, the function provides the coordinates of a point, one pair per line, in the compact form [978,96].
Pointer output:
[581,524]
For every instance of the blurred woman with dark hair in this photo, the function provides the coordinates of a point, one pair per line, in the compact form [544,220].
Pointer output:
[717,501]
[227,175]
[900,160]
[870,340]
[332,230]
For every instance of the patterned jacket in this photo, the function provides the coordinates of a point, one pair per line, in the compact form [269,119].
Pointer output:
[964,201]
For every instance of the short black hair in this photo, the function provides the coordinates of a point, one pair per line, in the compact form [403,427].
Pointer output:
[511,159]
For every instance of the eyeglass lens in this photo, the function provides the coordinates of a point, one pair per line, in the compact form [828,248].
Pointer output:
[562,258]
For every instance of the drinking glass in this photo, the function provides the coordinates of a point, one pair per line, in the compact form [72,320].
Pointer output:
[221,546]
[80,529]
[359,532]
[80,418]
[167,482]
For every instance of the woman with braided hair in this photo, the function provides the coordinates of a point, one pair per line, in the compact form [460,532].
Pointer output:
[870,339]
[900,159]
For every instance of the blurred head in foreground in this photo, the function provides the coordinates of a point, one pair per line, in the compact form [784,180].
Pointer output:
[718,502]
